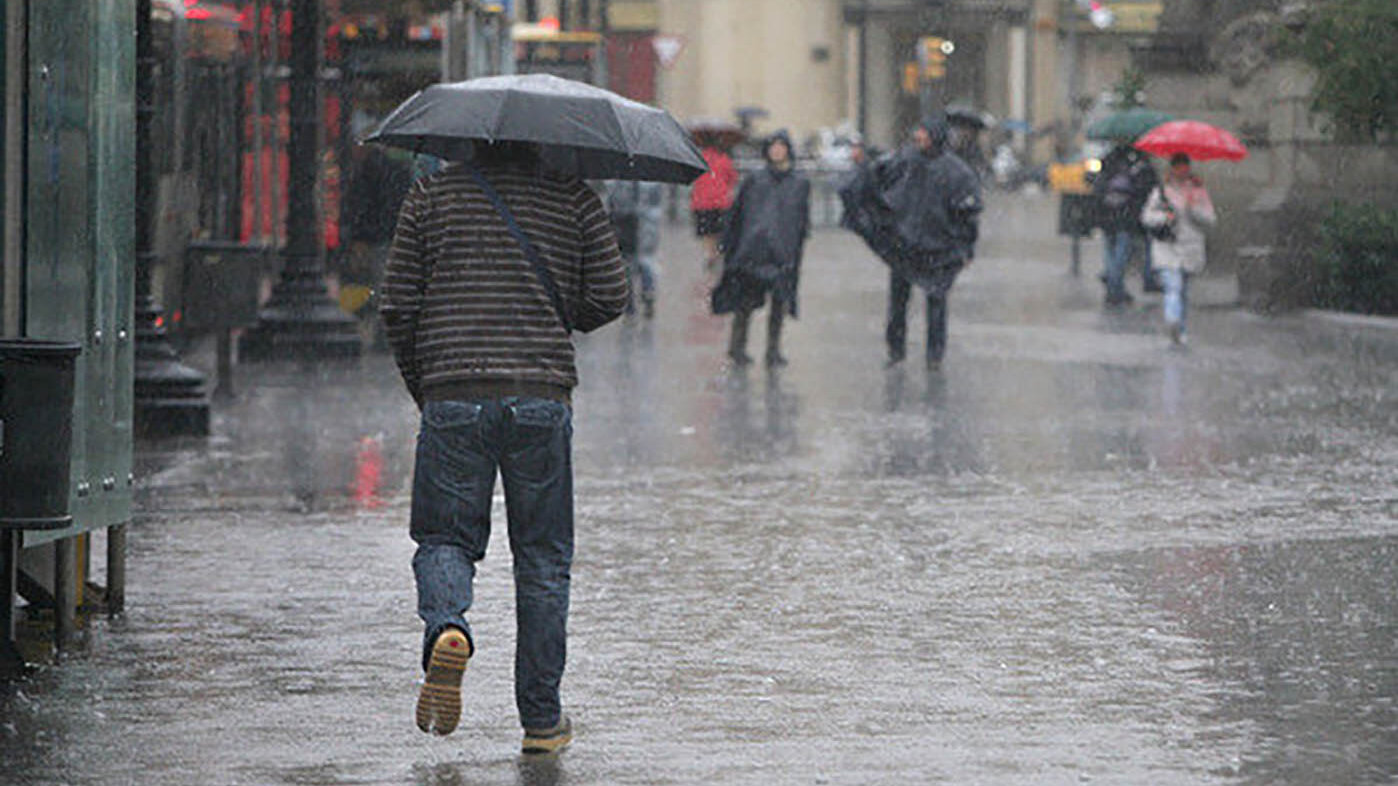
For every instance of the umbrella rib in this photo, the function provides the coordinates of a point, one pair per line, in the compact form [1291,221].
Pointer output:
[494,128]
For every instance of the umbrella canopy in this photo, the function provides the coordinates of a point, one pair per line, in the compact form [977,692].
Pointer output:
[714,131]
[959,114]
[582,130]
[1200,141]
[1127,124]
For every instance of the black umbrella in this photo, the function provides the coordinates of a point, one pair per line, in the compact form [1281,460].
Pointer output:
[960,114]
[581,129]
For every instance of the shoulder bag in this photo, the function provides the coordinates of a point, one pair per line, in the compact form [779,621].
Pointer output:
[530,252]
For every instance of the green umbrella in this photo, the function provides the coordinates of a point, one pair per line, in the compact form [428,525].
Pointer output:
[1127,124]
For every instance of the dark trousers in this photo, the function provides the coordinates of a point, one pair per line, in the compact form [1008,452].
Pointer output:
[900,290]
[742,318]
[461,446]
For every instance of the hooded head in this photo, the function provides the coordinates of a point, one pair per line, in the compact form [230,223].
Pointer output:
[780,136]
[936,129]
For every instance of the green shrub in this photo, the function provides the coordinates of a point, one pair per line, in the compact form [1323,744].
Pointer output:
[1359,259]
[1352,45]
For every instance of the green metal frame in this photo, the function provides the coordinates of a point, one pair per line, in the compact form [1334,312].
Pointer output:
[79,246]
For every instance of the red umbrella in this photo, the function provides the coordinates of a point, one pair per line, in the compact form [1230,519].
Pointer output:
[1200,141]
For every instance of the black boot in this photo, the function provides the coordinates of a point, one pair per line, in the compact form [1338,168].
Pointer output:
[738,340]
[774,336]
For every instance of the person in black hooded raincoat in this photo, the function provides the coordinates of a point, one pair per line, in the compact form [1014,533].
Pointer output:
[919,211]
[762,248]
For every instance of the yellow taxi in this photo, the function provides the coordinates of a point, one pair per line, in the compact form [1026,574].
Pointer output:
[1072,181]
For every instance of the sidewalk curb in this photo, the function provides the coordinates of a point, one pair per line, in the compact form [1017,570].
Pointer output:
[1348,319]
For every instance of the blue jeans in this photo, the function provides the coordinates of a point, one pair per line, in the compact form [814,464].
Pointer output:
[460,447]
[642,266]
[1118,253]
[1176,303]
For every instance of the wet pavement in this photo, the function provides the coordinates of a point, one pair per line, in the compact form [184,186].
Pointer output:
[1074,555]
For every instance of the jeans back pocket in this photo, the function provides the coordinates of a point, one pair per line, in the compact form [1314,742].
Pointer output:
[451,415]
[538,418]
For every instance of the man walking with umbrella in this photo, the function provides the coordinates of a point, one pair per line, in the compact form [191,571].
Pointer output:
[1121,188]
[496,259]
[489,361]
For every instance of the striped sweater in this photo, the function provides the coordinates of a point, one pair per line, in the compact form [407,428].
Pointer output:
[464,310]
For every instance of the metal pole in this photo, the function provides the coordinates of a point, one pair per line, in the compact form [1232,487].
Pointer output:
[930,96]
[1073,70]
[471,51]
[65,580]
[864,70]
[267,128]
[223,390]
[170,397]
[10,659]
[259,184]
[116,569]
[300,320]
[13,17]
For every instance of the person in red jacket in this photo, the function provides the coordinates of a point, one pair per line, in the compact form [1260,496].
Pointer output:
[710,198]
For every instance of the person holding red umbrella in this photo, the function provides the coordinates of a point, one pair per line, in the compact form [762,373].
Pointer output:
[711,198]
[1176,215]
[1178,212]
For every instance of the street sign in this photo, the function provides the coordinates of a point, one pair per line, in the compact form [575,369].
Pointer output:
[668,47]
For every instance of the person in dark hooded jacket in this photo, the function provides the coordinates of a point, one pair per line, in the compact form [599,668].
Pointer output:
[762,249]
[1121,189]
[932,200]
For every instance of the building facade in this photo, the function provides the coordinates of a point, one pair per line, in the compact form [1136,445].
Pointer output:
[790,58]
[813,64]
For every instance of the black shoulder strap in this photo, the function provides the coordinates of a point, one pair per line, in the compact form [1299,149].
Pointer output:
[530,253]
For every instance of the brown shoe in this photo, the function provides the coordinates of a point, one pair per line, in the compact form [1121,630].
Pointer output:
[554,738]
[439,702]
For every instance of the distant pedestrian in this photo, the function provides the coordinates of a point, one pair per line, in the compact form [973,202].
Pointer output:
[1176,215]
[636,208]
[762,248]
[934,201]
[965,141]
[484,347]
[855,183]
[862,211]
[379,180]
[1121,188]
[710,199]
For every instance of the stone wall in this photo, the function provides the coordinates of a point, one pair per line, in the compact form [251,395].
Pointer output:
[1272,203]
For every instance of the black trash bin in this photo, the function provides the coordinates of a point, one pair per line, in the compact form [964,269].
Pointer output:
[36,415]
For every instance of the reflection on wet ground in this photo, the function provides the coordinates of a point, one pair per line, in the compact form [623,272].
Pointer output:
[1072,555]
[1298,640]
